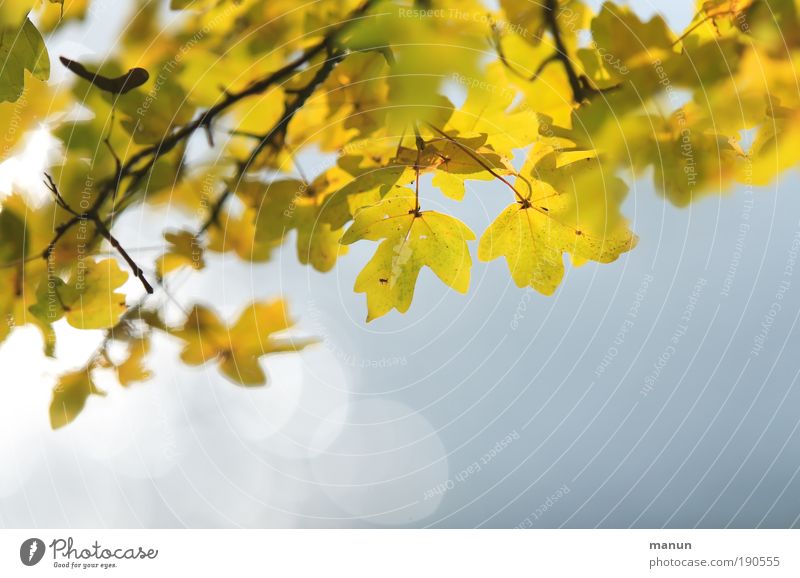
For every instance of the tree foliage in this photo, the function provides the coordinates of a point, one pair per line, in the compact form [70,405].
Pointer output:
[582,101]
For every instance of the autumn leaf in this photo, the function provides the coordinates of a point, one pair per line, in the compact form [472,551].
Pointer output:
[249,125]
[238,234]
[411,239]
[14,11]
[533,242]
[285,205]
[534,233]
[494,113]
[88,300]
[185,250]
[70,395]
[56,12]
[133,369]
[237,349]
[37,102]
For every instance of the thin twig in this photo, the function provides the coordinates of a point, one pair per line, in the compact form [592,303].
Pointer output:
[100,227]
[135,171]
[137,271]
[213,216]
[276,136]
[551,20]
[523,201]
[420,143]
[579,84]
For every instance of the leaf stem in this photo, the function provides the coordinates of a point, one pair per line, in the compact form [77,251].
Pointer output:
[481,162]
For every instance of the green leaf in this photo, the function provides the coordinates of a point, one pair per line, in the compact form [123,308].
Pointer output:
[21,49]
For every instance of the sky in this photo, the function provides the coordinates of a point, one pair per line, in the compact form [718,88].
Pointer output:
[656,391]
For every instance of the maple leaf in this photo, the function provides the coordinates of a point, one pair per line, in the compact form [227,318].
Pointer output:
[87,300]
[21,48]
[534,233]
[70,395]
[133,368]
[238,348]
[411,239]
[492,112]
[238,234]
[286,205]
[185,251]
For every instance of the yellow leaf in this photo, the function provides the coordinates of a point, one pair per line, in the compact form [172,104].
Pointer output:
[133,368]
[365,188]
[185,251]
[533,243]
[292,204]
[550,92]
[572,206]
[89,299]
[411,240]
[70,395]
[238,348]
[51,14]
[37,102]
[238,234]
[490,110]
[618,31]
[12,12]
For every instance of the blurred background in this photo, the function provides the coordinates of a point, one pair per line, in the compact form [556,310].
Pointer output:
[657,391]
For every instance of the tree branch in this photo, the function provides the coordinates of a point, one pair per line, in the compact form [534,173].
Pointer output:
[524,201]
[99,226]
[133,172]
[276,136]
[579,84]
[551,20]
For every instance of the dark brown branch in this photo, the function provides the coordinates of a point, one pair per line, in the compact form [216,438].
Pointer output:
[99,226]
[132,170]
[216,209]
[137,271]
[551,20]
[276,136]
[579,84]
